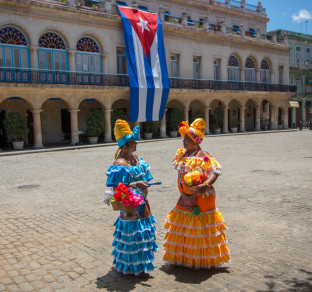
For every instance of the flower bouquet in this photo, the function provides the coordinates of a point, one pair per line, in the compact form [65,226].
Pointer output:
[124,198]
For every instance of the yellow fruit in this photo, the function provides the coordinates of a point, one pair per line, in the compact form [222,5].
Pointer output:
[189,182]
[188,176]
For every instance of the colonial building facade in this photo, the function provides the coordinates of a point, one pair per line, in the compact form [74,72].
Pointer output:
[300,74]
[60,59]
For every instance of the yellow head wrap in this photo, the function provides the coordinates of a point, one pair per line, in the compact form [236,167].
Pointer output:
[196,131]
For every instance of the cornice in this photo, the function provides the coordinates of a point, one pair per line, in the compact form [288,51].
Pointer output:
[217,8]
[207,36]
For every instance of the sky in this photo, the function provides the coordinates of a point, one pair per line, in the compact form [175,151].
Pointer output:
[288,14]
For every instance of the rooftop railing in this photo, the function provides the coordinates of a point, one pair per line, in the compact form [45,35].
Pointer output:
[32,76]
[301,65]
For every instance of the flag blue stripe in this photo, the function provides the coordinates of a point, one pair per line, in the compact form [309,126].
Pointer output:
[164,71]
[151,88]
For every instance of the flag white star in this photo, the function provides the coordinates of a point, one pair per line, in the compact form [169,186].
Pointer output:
[143,24]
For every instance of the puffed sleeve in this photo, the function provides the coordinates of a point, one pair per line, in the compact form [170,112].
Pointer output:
[118,174]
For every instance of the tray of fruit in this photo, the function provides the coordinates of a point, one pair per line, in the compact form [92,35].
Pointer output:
[194,178]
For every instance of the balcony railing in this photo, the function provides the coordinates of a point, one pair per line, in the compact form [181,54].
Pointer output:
[106,79]
[300,65]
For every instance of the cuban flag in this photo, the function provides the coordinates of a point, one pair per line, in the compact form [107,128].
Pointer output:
[147,68]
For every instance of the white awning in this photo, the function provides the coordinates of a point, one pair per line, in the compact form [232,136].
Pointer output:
[293,104]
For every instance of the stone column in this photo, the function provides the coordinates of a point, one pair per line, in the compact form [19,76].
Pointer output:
[33,57]
[242,119]
[258,110]
[184,17]
[225,128]
[37,128]
[293,117]
[258,33]
[303,108]
[207,120]
[74,125]
[276,110]
[163,126]
[274,37]
[243,3]
[258,75]
[161,13]
[272,117]
[71,60]
[186,113]
[242,30]
[107,125]
[108,6]
[206,23]
[285,118]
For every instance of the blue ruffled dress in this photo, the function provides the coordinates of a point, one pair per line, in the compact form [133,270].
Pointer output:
[134,237]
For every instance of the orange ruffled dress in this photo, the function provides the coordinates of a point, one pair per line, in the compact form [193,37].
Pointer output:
[196,241]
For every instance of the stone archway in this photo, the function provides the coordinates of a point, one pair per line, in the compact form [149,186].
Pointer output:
[250,115]
[197,110]
[120,110]
[174,109]
[56,122]
[234,115]
[85,108]
[214,125]
[21,106]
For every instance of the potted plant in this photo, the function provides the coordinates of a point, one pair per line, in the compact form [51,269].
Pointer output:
[175,117]
[198,114]
[16,126]
[266,123]
[234,124]
[149,128]
[94,125]
[217,120]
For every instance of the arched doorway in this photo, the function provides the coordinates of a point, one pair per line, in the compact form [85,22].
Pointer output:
[250,115]
[197,110]
[216,116]
[21,106]
[120,111]
[174,115]
[234,115]
[85,108]
[56,122]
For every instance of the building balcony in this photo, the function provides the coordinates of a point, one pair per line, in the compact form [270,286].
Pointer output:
[300,66]
[31,76]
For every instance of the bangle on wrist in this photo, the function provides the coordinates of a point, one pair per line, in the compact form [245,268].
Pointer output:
[207,184]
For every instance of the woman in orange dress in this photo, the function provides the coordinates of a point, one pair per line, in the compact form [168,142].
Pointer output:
[195,236]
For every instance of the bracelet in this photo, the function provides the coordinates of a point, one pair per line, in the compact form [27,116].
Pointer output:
[207,184]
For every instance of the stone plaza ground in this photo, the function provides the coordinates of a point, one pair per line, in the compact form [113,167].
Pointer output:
[56,232]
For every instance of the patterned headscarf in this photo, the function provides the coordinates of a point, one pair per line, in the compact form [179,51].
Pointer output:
[196,131]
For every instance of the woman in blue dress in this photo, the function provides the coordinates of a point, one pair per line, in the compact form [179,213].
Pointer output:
[134,237]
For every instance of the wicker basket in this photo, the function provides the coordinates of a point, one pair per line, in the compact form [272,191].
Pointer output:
[192,189]
[118,206]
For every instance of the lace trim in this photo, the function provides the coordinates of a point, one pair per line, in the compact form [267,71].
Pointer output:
[138,231]
[190,212]
[195,227]
[226,264]
[195,235]
[133,273]
[135,251]
[197,246]
[144,172]
[134,263]
[197,257]
[136,242]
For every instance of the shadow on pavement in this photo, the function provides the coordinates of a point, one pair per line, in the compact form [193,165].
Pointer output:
[295,284]
[187,275]
[115,281]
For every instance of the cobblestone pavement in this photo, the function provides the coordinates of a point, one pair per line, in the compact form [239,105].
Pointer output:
[56,232]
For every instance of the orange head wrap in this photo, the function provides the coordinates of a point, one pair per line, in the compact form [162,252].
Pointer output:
[196,131]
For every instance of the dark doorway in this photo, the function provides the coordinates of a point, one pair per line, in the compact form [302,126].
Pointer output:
[30,126]
[3,135]
[66,125]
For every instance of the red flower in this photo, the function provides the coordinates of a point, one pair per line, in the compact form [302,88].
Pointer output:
[118,196]
[122,188]
[206,158]
[181,125]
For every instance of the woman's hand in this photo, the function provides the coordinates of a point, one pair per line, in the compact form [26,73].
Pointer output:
[141,184]
[201,189]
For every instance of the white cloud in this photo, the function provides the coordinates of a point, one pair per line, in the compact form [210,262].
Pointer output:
[301,16]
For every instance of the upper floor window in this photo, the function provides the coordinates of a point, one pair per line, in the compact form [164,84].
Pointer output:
[298,54]
[89,60]
[250,70]
[174,63]
[216,67]
[196,66]
[52,53]
[14,52]
[281,74]
[236,29]
[308,58]
[190,21]
[122,68]
[233,69]
[265,74]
